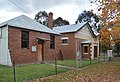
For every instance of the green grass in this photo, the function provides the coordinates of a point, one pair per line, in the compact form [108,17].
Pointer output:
[28,72]
[72,63]
[87,62]
[102,57]
[100,72]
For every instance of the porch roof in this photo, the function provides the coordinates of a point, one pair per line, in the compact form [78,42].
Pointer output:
[42,40]
[45,39]
[86,42]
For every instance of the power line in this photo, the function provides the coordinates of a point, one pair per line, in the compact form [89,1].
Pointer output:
[18,7]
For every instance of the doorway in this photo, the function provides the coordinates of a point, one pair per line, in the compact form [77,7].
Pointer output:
[95,51]
[39,52]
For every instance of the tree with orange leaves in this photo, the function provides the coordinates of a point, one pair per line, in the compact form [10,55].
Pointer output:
[105,37]
[109,10]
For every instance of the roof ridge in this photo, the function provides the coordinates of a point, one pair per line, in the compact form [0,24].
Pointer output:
[70,25]
[69,28]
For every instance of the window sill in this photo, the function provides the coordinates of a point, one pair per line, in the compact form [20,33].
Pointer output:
[64,44]
[25,48]
[52,48]
[85,53]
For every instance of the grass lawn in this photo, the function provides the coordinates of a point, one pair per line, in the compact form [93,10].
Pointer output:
[72,63]
[28,72]
[104,56]
[108,71]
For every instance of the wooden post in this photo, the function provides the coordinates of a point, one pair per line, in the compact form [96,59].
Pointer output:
[14,72]
[55,66]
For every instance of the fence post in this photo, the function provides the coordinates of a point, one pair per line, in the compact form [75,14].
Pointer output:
[104,57]
[90,60]
[14,71]
[98,59]
[55,66]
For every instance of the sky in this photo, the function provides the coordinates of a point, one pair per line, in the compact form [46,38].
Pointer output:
[67,9]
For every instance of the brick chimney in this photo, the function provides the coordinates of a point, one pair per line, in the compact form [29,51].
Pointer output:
[50,20]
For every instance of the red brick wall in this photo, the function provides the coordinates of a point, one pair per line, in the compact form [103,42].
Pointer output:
[23,56]
[70,49]
[51,54]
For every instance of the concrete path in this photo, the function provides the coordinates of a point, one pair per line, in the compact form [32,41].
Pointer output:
[64,66]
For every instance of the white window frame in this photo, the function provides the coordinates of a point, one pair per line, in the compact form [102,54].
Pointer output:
[34,49]
[63,38]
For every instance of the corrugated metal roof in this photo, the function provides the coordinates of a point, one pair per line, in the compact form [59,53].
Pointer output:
[69,28]
[25,22]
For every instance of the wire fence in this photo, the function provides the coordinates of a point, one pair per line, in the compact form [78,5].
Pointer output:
[33,71]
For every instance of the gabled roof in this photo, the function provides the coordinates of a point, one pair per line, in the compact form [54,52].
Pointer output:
[74,28]
[25,22]
[69,28]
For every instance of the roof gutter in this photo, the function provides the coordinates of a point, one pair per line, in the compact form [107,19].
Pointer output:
[29,29]
[4,25]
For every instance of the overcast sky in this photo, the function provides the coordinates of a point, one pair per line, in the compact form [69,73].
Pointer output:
[67,9]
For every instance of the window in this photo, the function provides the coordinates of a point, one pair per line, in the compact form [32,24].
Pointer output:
[65,41]
[25,39]
[85,49]
[52,41]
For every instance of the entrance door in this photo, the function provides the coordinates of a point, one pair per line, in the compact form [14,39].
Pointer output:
[95,51]
[39,52]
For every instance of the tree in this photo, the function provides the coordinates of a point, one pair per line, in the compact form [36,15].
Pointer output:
[115,34]
[105,37]
[42,17]
[109,11]
[89,16]
[60,22]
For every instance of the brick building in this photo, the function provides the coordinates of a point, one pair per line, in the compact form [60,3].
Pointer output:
[78,37]
[27,41]
[24,41]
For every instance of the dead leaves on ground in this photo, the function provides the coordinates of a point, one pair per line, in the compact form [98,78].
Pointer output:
[103,72]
